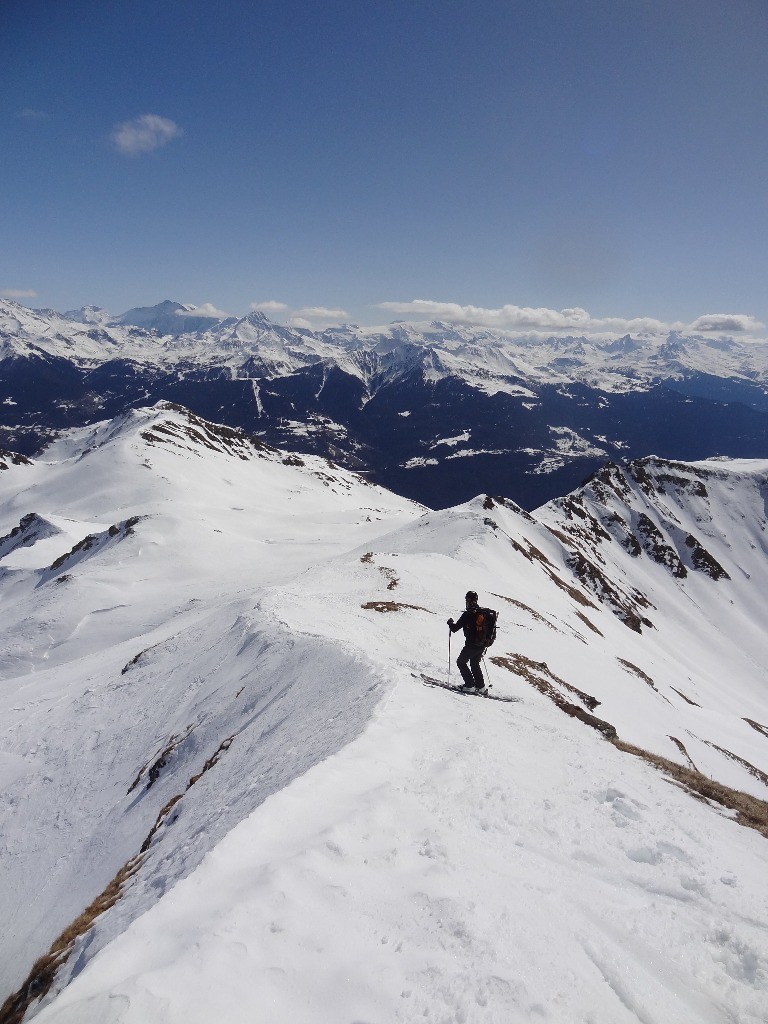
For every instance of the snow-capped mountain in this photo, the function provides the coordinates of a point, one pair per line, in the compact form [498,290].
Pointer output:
[227,791]
[433,411]
[169,317]
[89,315]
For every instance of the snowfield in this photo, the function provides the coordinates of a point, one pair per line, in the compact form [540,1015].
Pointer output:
[494,865]
[216,734]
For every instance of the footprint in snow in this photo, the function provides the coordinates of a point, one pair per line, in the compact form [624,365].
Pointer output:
[660,852]
[622,805]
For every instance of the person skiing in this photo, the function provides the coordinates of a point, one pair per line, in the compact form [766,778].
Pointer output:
[474,646]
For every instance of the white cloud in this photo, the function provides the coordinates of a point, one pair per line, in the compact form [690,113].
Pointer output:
[32,115]
[727,323]
[309,317]
[17,293]
[270,306]
[317,317]
[322,313]
[144,134]
[206,310]
[525,318]
[535,320]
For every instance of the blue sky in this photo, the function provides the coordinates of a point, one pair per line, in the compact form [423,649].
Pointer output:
[609,155]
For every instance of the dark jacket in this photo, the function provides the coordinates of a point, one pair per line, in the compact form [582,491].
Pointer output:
[466,621]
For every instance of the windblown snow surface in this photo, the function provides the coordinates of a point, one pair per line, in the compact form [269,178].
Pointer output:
[216,737]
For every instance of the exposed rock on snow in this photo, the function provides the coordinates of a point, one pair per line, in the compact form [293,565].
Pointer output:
[31,529]
[12,459]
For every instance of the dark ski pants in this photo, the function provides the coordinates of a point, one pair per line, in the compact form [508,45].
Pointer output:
[469,665]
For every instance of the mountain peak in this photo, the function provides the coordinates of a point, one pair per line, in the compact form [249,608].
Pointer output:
[153,317]
[258,318]
[88,315]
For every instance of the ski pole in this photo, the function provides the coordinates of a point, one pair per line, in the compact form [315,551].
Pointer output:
[487,673]
[449,654]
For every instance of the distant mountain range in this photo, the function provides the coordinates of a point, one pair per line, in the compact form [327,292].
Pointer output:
[435,412]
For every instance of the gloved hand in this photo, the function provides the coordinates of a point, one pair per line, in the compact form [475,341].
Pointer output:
[450,622]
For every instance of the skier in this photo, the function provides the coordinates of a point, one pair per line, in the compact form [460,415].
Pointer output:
[474,646]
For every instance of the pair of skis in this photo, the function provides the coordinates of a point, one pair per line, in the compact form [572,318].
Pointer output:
[431,681]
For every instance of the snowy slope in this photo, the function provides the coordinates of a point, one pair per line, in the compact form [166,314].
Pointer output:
[459,862]
[616,625]
[229,677]
[133,626]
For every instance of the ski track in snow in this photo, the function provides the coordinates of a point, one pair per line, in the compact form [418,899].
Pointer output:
[367,848]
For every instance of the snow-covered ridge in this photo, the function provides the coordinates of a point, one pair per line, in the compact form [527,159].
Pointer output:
[212,656]
[31,529]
